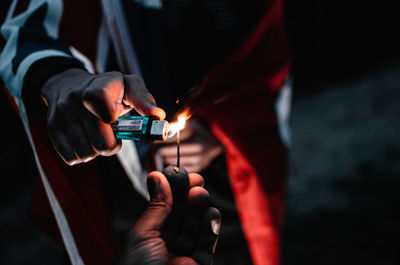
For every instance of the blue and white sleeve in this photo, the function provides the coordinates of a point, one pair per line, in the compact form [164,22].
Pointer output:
[31,39]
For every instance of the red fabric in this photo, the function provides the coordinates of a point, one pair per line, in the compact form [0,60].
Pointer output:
[78,189]
[79,192]
[238,99]
[9,96]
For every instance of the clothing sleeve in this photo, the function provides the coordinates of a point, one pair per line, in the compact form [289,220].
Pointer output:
[32,51]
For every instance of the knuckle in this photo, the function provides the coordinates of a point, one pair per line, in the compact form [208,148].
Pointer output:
[117,147]
[61,106]
[102,90]
[102,146]
[161,205]
[137,79]
[114,74]
[138,85]
[89,158]
[158,242]
[90,94]
[85,154]
[151,240]
[107,150]
[70,162]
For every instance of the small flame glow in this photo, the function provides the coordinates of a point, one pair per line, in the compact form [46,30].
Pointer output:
[180,124]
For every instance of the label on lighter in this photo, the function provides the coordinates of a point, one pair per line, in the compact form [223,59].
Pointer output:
[130,125]
[157,128]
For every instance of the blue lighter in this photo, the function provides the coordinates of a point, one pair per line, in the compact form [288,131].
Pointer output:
[140,128]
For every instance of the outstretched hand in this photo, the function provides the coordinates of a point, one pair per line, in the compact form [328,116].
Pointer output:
[166,235]
[82,105]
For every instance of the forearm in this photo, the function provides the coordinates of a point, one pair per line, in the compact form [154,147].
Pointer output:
[40,72]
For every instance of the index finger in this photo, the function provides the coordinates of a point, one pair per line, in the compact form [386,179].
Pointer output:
[138,97]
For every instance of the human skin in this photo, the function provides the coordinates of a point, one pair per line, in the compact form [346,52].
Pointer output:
[81,107]
[174,236]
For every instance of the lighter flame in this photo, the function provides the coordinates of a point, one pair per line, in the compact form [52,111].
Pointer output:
[180,124]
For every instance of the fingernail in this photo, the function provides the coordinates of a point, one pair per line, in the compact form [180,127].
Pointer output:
[216,226]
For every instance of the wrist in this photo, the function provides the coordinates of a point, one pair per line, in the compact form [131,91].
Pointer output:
[65,79]
[38,74]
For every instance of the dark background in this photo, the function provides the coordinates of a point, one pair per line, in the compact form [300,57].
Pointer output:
[336,40]
[342,198]
[343,191]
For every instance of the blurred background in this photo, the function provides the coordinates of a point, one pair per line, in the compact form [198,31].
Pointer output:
[343,191]
[342,198]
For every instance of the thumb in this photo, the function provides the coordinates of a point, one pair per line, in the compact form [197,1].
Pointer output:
[160,206]
[138,97]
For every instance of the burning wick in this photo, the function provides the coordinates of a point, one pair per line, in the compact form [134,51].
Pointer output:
[181,124]
[175,128]
[178,155]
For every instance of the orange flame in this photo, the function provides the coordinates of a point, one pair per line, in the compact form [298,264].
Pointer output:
[180,124]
